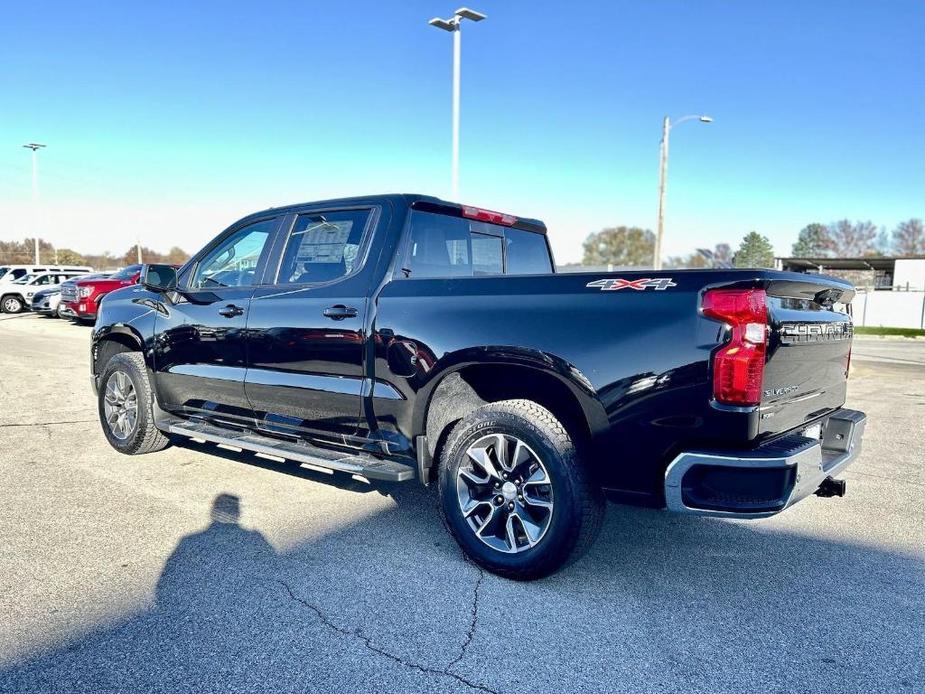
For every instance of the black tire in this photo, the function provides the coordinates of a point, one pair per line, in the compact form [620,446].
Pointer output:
[11,304]
[577,503]
[143,436]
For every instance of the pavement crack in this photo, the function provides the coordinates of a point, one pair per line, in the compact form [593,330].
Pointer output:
[46,424]
[473,619]
[367,643]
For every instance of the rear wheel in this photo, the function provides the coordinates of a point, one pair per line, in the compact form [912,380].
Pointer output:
[126,406]
[514,493]
[11,304]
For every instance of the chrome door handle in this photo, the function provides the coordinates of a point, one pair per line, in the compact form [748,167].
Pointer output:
[339,312]
[230,311]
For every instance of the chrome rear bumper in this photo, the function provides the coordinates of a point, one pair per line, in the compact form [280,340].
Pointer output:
[763,481]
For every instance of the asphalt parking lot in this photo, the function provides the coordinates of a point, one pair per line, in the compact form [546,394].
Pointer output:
[185,571]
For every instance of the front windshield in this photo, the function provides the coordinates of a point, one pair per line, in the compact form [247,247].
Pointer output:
[126,273]
[25,279]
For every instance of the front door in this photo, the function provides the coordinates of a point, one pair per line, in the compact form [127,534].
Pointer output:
[200,345]
[306,331]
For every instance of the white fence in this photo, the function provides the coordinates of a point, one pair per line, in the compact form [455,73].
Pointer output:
[889,309]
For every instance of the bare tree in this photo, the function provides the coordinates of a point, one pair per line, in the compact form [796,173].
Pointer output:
[853,240]
[722,253]
[177,256]
[909,238]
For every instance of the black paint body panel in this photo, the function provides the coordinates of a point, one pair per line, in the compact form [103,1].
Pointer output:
[634,366]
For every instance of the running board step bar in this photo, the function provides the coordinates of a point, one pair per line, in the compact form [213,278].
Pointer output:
[363,465]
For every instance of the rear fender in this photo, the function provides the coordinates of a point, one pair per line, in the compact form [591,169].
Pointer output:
[568,375]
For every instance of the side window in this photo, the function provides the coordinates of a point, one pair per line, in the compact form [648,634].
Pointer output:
[43,280]
[323,247]
[444,246]
[527,253]
[17,273]
[233,262]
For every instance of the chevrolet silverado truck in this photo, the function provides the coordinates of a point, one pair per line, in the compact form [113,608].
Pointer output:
[80,300]
[402,337]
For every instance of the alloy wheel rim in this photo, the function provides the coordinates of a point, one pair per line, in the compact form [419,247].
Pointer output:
[10,305]
[120,405]
[505,493]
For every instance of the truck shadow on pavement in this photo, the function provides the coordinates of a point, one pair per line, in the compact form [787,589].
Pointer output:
[389,604]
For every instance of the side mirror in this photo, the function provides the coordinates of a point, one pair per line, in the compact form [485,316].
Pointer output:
[159,278]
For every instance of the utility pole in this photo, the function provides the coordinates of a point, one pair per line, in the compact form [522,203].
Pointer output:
[138,246]
[35,147]
[453,25]
[667,125]
[662,185]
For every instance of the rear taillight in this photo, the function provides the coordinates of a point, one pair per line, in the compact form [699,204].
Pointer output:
[489,216]
[738,366]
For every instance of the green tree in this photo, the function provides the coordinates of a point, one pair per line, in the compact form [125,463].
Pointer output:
[814,241]
[626,246]
[68,257]
[754,251]
[909,238]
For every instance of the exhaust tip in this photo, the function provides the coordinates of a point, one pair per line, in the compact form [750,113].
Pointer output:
[831,487]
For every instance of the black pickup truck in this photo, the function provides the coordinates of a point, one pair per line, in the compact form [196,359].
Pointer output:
[402,337]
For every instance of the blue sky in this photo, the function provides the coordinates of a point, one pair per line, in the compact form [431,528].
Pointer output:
[169,120]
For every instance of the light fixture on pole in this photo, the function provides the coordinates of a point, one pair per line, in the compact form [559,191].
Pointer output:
[35,147]
[453,26]
[667,125]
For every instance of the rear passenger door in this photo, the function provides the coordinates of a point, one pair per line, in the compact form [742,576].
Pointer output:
[306,335]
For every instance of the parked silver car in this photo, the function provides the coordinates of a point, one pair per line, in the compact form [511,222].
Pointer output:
[48,301]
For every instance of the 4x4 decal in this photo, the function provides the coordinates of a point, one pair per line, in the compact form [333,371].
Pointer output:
[610,285]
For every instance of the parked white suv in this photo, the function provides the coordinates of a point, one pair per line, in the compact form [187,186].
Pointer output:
[11,273]
[17,295]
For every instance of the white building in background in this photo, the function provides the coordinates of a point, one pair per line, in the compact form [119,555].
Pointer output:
[891,291]
[872,273]
[909,274]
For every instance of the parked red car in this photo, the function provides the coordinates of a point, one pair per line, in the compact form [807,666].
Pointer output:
[81,299]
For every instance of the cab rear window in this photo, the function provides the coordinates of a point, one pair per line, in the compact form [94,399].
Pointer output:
[445,246]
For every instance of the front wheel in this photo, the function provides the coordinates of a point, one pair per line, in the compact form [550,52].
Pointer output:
[514,493]
[126,406]
[11,304]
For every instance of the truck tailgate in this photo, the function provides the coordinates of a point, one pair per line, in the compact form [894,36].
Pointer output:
[809,347]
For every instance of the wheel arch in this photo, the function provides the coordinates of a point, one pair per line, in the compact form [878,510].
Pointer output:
[469,384]
[112,340]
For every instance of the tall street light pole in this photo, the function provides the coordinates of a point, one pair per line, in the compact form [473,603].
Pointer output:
[35,147]
[453,25]
[667,125]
